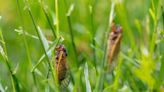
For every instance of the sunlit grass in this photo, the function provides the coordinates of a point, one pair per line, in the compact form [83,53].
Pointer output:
[83,27]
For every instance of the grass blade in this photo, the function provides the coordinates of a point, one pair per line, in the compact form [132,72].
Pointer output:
[44,48]
[3,52]
[44,40]
[88,86]
[71,33]
[93,37]
[57,18]
[20,32]
[1,88]
[161,74]
[99,85]
[50,49]
[48,19]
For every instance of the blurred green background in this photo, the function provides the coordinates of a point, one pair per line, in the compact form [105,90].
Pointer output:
[142,48]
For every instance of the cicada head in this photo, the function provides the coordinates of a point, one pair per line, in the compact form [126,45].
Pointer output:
[60,48]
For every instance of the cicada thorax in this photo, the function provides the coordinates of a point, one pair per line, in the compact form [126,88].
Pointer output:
[114,42]
[61,63]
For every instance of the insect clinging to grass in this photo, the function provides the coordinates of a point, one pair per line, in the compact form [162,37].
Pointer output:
[61,64]
[114,42]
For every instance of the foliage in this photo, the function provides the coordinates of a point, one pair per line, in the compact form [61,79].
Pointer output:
[31,29]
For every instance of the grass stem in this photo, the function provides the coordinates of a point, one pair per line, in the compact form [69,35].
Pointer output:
[57,18]
[14,80]
[48,19]
[25,41]
[71,33]
[72,39]
[48,61]
[93,36]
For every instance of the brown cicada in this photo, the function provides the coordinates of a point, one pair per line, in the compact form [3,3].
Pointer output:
[114,42]
[61,65]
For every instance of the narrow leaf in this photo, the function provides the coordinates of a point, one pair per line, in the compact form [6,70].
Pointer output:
[50,49]
[88,86]
[20,32]
[45,42]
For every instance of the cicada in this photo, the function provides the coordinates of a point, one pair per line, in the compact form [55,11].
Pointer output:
[114,42]
[61,65]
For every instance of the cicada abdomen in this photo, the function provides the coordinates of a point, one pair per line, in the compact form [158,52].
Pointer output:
[114,42]
[61,65]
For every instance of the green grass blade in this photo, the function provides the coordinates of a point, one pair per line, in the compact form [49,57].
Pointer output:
[48,19]
[50,49]
[3,52]
[45,42]
[44,48]
[93,36]
[161,74]
[121,14]
[1,88]
[57,18]
[88,86]
[20,32]
[99,84]
[71,33]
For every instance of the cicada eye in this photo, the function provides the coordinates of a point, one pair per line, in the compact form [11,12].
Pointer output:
[57,58]
[114,38]
[64,50]
[66,53]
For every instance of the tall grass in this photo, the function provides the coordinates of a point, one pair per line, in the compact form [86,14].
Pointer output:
[25,41]
[43,44]
[3,52]
[83,26]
